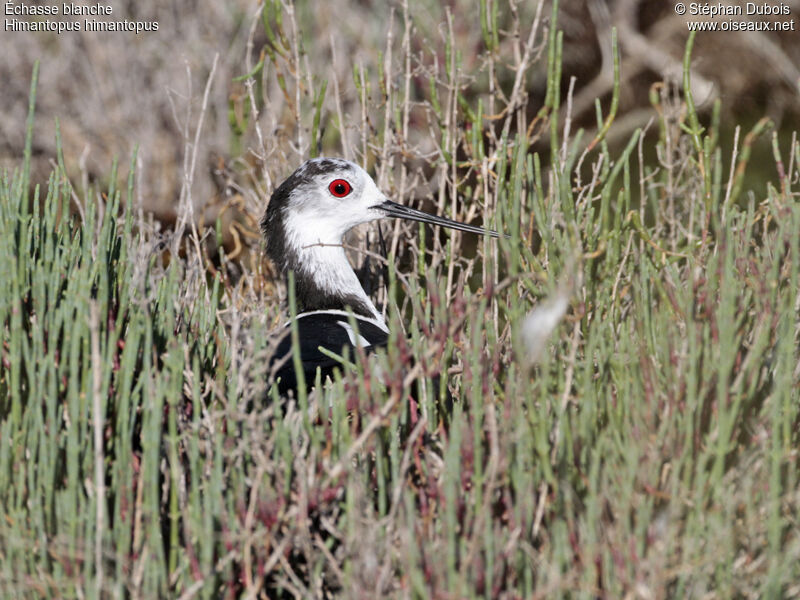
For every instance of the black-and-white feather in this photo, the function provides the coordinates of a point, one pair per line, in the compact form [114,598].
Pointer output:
[306,219]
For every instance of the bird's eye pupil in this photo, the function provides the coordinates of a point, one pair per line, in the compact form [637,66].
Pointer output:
[339,189]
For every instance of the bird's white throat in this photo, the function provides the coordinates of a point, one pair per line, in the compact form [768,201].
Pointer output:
[321,257]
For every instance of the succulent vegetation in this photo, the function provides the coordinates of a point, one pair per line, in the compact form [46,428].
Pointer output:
[639,441]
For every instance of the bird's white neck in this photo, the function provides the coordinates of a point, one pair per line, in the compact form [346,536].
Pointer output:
[324,278]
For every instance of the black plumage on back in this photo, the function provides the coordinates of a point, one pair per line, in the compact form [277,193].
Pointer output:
[329,331]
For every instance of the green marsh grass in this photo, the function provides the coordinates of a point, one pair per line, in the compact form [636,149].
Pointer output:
[651,450]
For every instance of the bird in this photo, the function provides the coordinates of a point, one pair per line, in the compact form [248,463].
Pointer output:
[304,225]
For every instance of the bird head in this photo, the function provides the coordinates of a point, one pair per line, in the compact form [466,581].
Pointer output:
[326,197]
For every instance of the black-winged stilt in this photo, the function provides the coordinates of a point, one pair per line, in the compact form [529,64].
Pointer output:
[306,219]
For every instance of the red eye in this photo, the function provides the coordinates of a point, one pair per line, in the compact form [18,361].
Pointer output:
[340,188]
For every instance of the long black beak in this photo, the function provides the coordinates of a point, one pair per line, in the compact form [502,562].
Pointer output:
[392,209]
